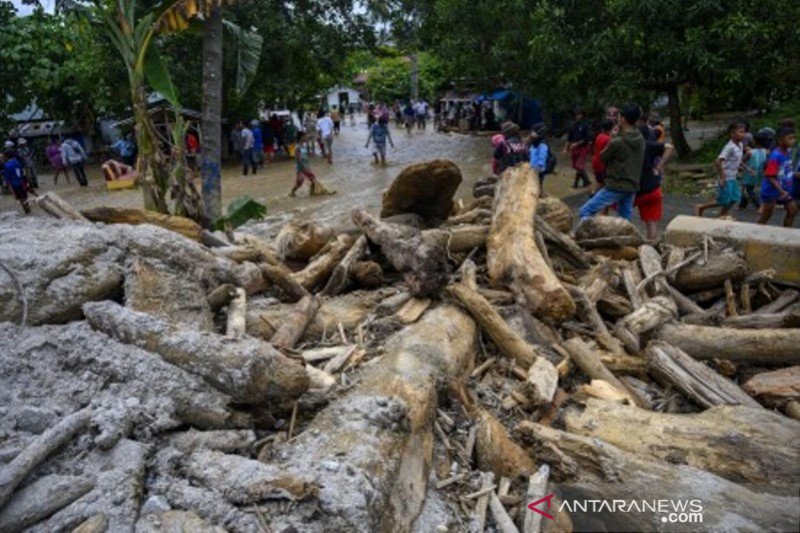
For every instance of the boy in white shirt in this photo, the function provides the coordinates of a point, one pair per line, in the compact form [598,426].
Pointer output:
[727,166]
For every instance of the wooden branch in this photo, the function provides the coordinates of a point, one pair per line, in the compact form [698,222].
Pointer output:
[501,519]
[650,315]
[126,215]
[583,356]
[512,256]
[650,260]
[563,245]
[484,313]
[54,205]
[537,488]
[787,298]
[777,387]
[789,318]
[292,328]
[764,346]
[341,273]
[281,277]
[672,367]
[12,474]
[317,271]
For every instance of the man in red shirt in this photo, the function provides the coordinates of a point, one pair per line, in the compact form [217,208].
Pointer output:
[600,143]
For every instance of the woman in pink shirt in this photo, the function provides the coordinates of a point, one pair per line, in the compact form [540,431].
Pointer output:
[53,152]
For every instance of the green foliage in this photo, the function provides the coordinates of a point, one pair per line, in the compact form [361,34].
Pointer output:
[240,211]
[389,77]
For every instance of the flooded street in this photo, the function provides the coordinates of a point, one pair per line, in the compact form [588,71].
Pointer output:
[357,180]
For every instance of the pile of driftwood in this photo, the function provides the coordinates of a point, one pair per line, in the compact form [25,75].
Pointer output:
[437,367]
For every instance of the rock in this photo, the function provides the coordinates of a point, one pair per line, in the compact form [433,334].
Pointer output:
[426,189]
[155,504]
[175,522]
[94,524]
[34,419]
[228,441]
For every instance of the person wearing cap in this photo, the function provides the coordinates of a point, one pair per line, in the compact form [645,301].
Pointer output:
[623,158]
[578,148]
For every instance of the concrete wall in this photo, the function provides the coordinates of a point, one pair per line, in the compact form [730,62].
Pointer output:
[764,246]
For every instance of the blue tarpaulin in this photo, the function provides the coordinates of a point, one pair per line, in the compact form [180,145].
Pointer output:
[522,109]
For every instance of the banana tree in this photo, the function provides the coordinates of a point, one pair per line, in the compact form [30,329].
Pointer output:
[133,34]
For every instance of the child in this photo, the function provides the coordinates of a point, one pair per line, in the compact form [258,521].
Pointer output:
[600,142]
[497,140]
[303,166]
[539,151]
[781,183]
[727,166]
[378,134]
[754,172]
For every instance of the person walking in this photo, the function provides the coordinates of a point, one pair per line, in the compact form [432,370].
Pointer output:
[728,164]
[623,158]
[578,148]
[600,143]
[73,154]
[781,185]
[26,155]
[258,143]
[512,150]
[14,177]
[539,151]
[125,148]
[379,134]
[325,131]
[336,118]
[302,165]
[248,161]
[310,127]
[53,153]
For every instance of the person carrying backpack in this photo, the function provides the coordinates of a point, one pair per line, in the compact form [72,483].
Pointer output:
[512,150]
[542,159]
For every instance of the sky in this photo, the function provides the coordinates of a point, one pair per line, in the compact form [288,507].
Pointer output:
[22,9]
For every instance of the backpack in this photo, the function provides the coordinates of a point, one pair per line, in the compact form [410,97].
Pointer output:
[516,153]
[550,162]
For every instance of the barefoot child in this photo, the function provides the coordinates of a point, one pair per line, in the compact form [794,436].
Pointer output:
[727,166]
[378,134]
[303,167]
[781,183]
[14,176]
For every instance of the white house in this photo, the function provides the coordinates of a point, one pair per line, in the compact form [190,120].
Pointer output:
[342,96]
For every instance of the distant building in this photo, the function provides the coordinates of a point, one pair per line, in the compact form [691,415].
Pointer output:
[342,97]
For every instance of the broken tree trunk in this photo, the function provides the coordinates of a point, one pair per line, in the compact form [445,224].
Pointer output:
[380,431]
[583,356]
[563,245]
[237,311]
[701,275]
[650,315]
[420,257]
[247,369]
[292,328]
[597,469]
[55,206]
[506,339]
[650,260]
[12,474]
[775,388]
[674,368]
[512,256]
[281,277]
[341,272]
[758,346]
[705,440]
[317,271]
[127,215]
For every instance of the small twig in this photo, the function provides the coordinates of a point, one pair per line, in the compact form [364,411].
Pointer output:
[22,298]
[478,494]
[479,371]
[262,520]
[292,421]
[666,273]
[449,481]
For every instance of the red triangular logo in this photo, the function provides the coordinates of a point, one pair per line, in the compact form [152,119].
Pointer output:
[532,506]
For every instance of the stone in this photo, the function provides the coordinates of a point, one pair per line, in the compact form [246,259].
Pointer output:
[426,189]
[175,522]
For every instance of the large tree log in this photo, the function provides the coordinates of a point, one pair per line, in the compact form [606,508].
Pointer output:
[420,257]
[54,205]
[296,322]
[672,367]
[281,277]
[42,498]
[775,388]
[12,474]
[464,238]
[370,451]
[250,370]
[599,227]
[701,275]
[301,241]
[598,470]
[127,215]
[512,256]
[738,443]
[765,346]
[562,244]
[506,339]
[317,271]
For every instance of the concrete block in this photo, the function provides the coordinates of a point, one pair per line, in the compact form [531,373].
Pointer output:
[763,246]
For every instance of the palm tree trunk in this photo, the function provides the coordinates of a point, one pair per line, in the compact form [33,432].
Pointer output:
[210,126]
[151,166]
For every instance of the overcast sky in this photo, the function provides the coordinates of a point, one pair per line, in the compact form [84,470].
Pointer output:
[27,10]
